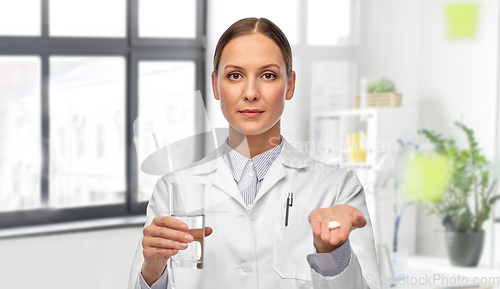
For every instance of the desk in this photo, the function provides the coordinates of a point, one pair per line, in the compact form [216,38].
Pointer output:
[423,272]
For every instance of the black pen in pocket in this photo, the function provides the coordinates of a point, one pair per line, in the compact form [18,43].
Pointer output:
[289,203]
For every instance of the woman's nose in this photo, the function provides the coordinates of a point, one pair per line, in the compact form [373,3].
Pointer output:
[252,91]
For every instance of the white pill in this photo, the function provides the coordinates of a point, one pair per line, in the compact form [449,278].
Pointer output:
[333,225]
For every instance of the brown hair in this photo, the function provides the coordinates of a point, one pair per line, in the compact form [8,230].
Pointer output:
[254,25]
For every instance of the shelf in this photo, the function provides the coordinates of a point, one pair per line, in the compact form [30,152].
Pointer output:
[435,265]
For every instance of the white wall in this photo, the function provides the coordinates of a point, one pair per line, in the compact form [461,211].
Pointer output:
[449,80]
[93,259]
[458,78]
[392,31]
[458,81]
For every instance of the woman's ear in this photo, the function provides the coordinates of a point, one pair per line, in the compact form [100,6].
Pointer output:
[291,86]
[214,86]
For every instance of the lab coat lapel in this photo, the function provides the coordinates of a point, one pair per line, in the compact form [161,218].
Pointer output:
[223,179]
[290,158]
[275,173]
[214,167]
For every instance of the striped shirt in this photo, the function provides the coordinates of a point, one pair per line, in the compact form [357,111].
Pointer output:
[249,173]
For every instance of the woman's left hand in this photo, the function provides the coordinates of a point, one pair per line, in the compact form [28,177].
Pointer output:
[326,240]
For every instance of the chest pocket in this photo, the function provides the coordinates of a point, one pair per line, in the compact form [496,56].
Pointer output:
[292,244]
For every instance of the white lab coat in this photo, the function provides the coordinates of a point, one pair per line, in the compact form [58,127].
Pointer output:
[253,248]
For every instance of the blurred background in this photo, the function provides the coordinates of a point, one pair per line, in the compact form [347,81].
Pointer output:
[74,75]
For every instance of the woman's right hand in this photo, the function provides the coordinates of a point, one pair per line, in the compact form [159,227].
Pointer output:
[163,239]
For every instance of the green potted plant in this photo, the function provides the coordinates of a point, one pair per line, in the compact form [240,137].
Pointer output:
[468,196]
[381,94]
[382,86]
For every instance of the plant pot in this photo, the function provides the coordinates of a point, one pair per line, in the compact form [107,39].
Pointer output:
[464,248]
[379,100]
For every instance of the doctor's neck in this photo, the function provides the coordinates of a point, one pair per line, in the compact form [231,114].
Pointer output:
[252,145]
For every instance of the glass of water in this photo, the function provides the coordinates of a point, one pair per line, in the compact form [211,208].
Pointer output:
[187,204]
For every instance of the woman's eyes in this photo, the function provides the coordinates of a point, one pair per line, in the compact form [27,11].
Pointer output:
[237,76]
[269,76]
[234,76]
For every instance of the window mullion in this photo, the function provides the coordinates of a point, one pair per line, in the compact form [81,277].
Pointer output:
[45,19]
[45,139]
[132,112]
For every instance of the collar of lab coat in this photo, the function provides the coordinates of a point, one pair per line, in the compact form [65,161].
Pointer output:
[214,164]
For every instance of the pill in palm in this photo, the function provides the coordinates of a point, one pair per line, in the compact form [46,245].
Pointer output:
[333,225]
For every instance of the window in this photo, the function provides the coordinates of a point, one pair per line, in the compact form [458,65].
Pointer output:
[20,18]
[157,20]
[87,94]
[73,79]
[158,79]
[332,17]
[20,143]
[88,18]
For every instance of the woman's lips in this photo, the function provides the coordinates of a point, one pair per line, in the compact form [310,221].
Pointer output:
[251,113]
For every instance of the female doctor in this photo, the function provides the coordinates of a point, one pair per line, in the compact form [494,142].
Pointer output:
[249,245]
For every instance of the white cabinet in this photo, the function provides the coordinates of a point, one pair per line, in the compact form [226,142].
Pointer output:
[382,128]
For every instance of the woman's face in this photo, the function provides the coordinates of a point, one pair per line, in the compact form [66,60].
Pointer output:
[252,84]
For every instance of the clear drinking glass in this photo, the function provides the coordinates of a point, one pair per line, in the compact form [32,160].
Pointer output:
[187,204]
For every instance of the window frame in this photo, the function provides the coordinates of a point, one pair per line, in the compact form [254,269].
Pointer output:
[175,54]
[199,40]
[352,53]
[133,50]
